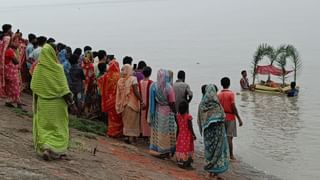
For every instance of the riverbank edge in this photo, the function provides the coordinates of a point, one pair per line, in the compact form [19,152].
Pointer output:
[90,142]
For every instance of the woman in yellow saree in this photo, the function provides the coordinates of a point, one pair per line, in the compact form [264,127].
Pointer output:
[50,106]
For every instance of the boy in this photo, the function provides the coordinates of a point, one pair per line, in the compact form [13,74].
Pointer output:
[293,91]
[76,82]
[227,101]
[182,90]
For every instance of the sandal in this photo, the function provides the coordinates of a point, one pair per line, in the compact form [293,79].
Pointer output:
[46,155]
[64,157]
[9,105]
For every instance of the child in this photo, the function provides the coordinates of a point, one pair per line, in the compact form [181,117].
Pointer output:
[227,101]
[293,91]
[185,137]
[89,83]
[76,82]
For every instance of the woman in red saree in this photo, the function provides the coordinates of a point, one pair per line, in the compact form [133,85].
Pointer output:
[144,86]
[11,75]
[4,44]
[108,86]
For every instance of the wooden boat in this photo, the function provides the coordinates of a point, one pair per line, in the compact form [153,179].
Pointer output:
[277,67]
[274,90]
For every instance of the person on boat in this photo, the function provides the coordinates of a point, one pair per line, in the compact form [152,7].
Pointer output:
[128,103]
[227,100]
[182,90]
[162,116]
[244,82]
[211,124]
[293,91]
[272,84]
[52,97]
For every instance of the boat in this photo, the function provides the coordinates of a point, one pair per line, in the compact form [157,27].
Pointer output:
[279,59]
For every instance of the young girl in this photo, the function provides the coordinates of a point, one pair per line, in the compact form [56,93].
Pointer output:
[185,137]
[89,83]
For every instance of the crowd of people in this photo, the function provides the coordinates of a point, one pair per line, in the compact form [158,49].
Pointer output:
[92,84]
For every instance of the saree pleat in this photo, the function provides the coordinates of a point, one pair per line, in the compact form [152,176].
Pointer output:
[50,120]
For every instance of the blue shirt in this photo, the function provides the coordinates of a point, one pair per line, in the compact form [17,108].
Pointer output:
[293,92]
[29,50]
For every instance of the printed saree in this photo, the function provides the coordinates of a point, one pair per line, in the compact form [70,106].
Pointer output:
[211,125]
[161,117]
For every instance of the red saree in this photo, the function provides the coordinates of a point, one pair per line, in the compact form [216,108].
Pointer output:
[4,44]
[108,87]
[144,91]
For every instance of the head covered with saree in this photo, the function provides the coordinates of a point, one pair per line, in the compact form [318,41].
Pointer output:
[49,80]
[163,84]
[210,110]
[124,87]
[211,125]
[108,86]
[159,92]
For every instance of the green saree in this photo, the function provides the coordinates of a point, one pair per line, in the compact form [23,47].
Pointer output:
[50,111]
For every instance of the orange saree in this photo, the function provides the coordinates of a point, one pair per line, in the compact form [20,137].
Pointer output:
[108,87]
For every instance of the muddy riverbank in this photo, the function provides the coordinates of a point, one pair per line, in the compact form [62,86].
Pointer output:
[113,159]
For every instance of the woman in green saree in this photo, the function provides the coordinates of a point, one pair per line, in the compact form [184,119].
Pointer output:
[211,125]
[50,105]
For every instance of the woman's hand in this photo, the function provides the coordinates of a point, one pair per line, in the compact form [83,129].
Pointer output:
[194,137]
[143,106]
[73,109]
[15,61]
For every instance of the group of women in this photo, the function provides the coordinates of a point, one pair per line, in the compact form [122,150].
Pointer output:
[161,115]
[124,104]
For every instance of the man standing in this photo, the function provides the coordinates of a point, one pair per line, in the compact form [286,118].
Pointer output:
[182,90]
[244,82]
[30,47]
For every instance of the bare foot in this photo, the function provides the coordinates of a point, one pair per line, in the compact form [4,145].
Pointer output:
[220,178]
[233,159]
[211,176]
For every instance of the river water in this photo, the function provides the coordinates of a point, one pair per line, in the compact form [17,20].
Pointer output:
[209,39]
